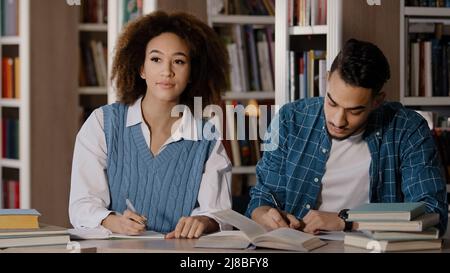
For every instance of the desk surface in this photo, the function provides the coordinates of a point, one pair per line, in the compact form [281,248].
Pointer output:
[181,246]
[159,245]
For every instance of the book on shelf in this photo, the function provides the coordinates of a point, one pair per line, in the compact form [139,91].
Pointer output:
[361,241]
[428,3]
[308,12]
[251,53]
[93,68]
[252,58]
[429,234]
[387,211]
[11,194]
[251,233]
[418,224]
[19,219]
[240,7]
[94,11]
[9,17]
[102,233]
[265,52]
[428,62]
[10,77]
[10,138]
[308,74]
[244,149]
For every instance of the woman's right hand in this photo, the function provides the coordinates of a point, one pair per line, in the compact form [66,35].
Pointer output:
[129,223]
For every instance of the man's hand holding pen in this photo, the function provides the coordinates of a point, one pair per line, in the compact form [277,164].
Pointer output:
[273,218]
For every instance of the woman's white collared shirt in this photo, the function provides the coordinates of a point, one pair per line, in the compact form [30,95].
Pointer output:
[89,194]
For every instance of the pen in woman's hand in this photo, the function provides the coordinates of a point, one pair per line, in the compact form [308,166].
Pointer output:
[132,209]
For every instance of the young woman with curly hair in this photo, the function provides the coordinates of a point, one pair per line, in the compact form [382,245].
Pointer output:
[135,149]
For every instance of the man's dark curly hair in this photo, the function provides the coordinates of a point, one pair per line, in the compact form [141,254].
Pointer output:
[209,58]
[362,64]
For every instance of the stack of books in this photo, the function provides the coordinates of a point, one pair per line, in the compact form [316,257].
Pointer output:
[20,228]
[387,227]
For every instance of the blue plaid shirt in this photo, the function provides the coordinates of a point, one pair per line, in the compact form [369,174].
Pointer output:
[405,165]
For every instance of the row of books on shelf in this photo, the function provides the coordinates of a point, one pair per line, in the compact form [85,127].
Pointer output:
[94,11]
[9,17]
[93,68]
[308,74]
[246,7]
[428,3]
[10,77]
[251,52]
[11,194]
[307,12]
[10,138]
[386,227]
[242,139]
[429,67]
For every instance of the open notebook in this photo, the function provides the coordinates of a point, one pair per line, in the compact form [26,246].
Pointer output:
[251,233]
[103,233]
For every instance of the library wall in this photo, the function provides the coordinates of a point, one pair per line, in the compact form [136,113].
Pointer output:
[54,112]
[381,26]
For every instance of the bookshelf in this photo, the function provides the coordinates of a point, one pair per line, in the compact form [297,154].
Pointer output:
[419,23]
[44,109]
[425,59]
[248,33]
[93,41]
[296,34]
[116,15]
[15,105]
[234,24]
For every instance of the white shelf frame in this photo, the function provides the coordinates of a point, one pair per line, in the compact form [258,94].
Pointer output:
[426,101]
[11,163]
[24,123]
[10,40]
[14,103]
[241,19]
[93,27]
[425,11]
[309,30]
[282,36]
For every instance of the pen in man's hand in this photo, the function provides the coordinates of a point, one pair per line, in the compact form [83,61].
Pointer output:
[131,208]
[283,214]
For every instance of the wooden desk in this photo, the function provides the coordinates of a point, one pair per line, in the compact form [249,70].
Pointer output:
[182,246]
[187,246]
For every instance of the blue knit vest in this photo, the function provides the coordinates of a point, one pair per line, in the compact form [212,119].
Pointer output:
[163,188]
